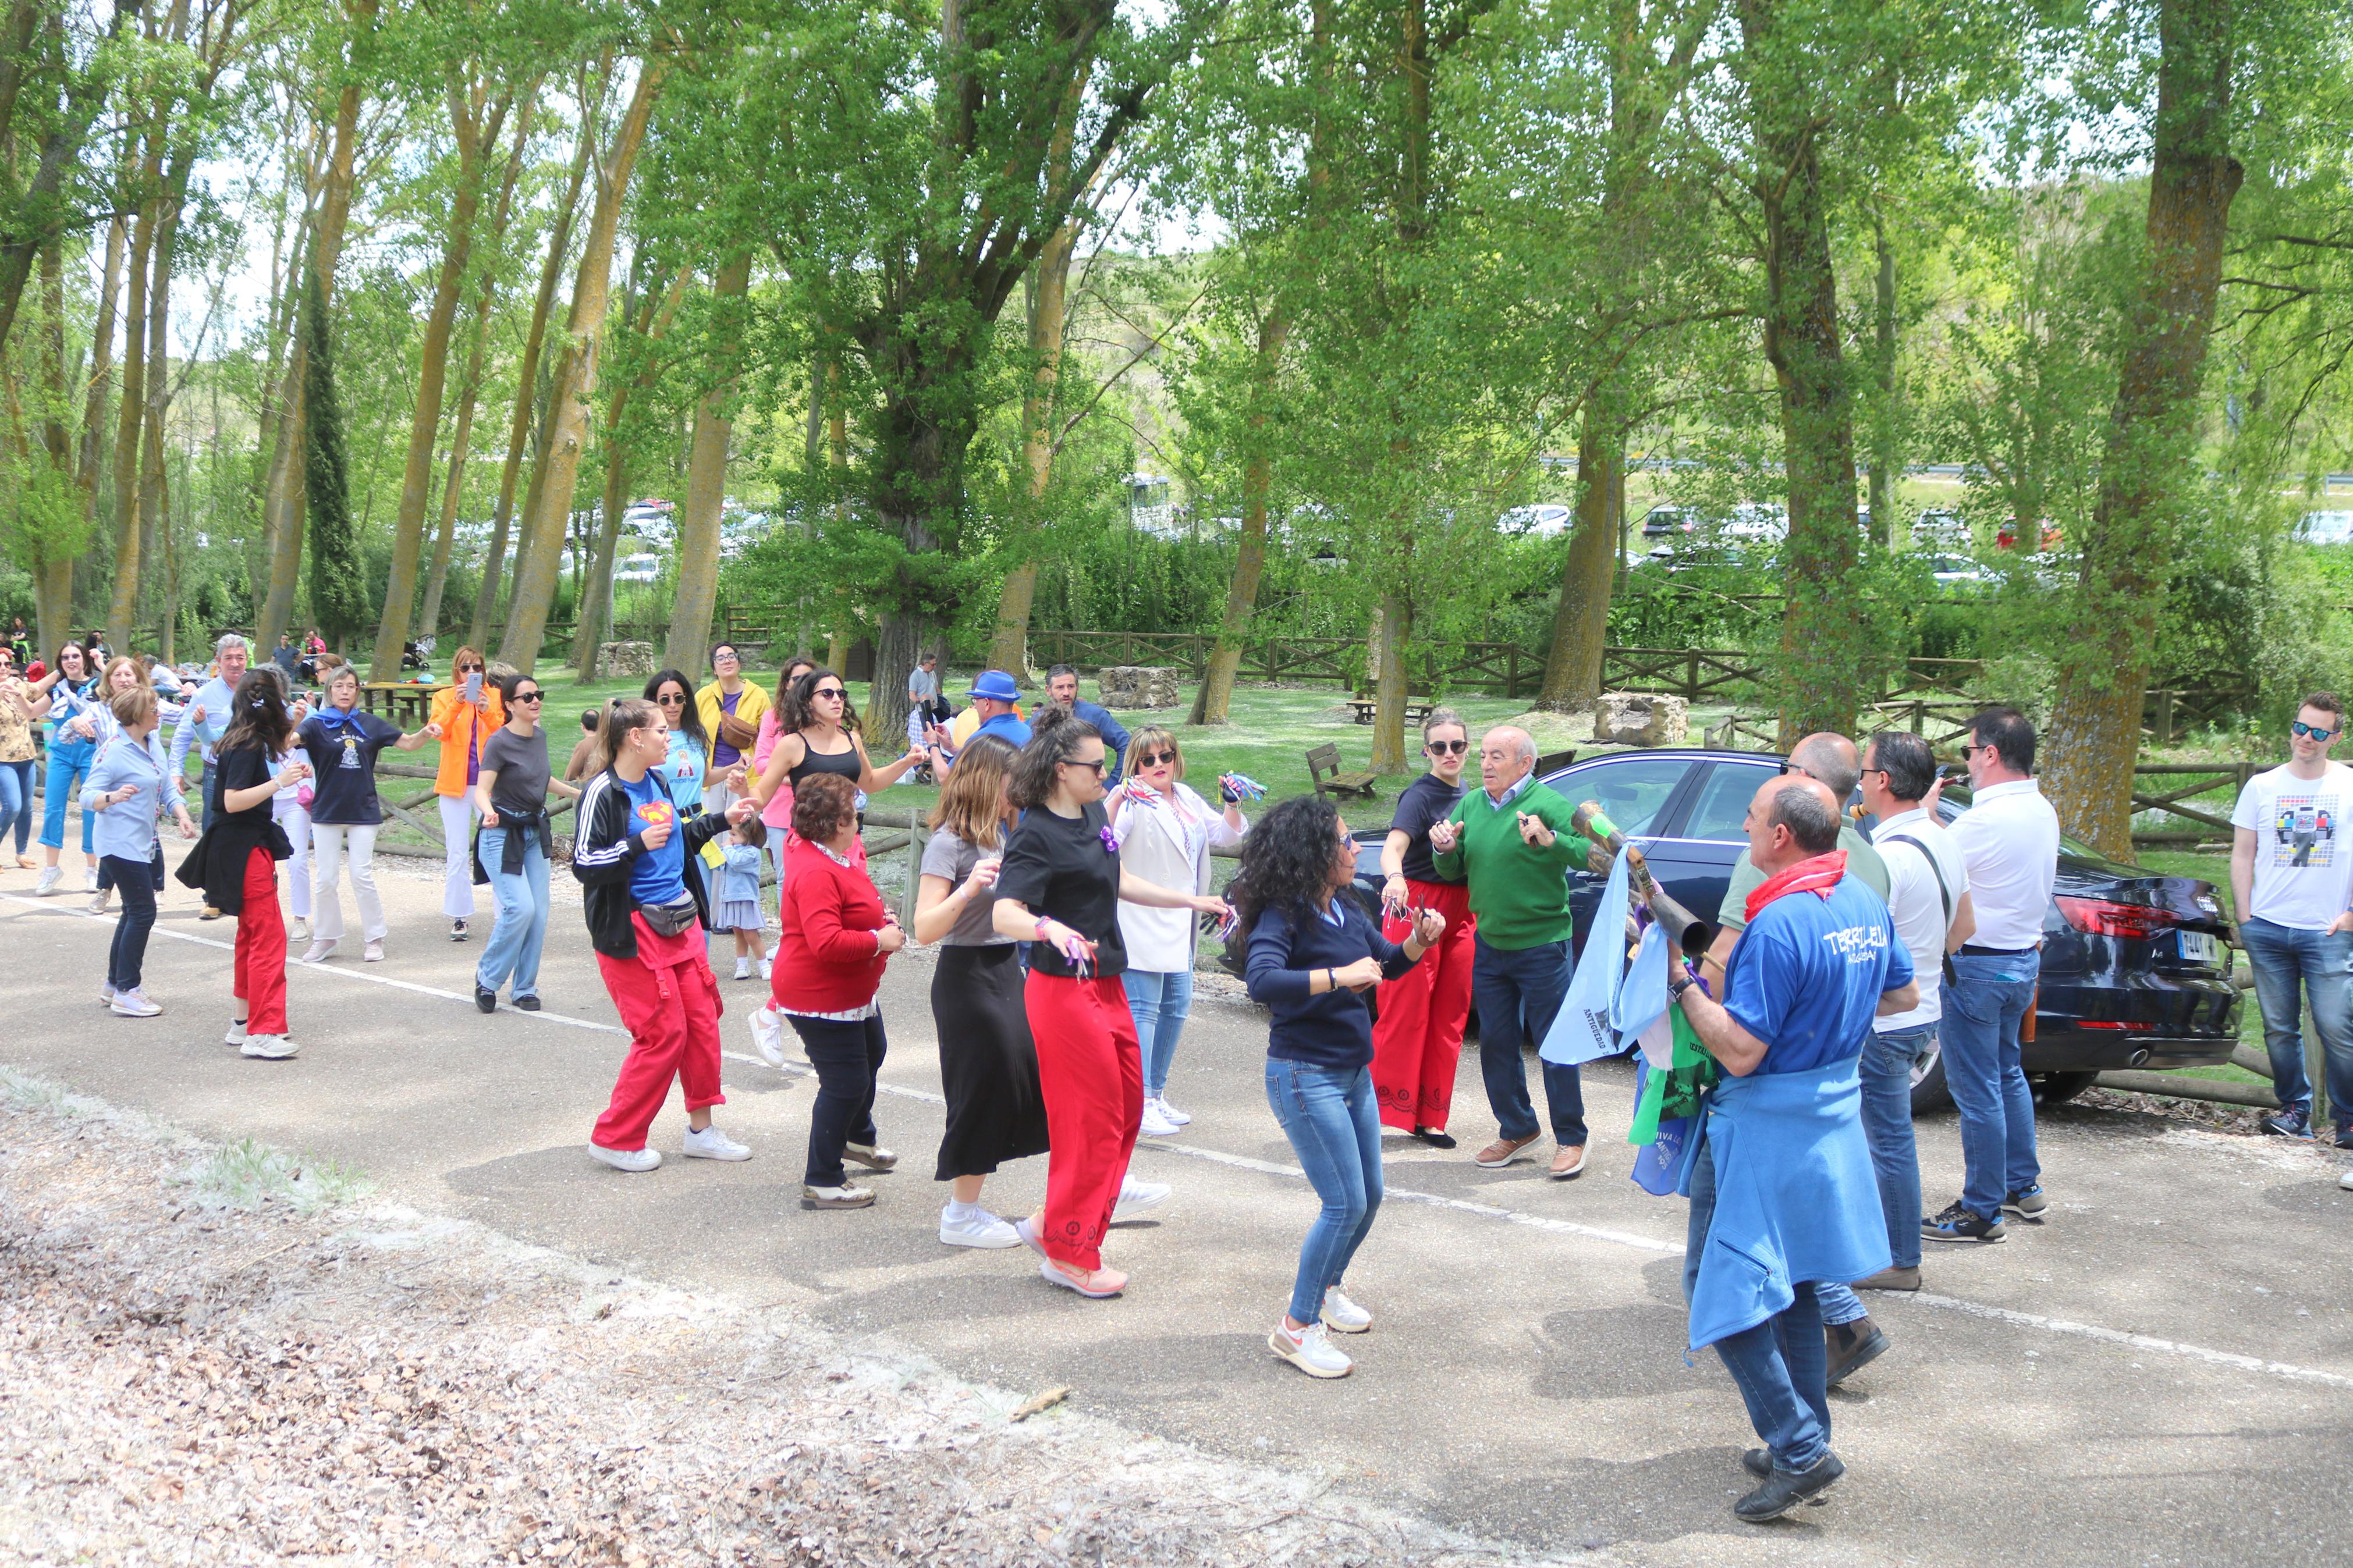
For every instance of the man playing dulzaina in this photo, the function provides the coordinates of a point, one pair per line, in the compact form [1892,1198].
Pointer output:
[1782,1191]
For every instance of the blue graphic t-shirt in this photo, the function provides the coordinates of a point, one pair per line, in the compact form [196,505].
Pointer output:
[1807,976]
[658,876]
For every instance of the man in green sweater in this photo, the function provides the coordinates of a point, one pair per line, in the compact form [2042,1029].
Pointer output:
[1512,841]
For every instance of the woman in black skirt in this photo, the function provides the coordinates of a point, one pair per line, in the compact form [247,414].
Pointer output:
[987,1062]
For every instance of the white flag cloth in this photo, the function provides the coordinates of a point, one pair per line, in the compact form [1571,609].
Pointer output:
[1582,1030]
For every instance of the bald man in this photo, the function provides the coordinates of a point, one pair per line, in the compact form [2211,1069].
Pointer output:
[1512,841]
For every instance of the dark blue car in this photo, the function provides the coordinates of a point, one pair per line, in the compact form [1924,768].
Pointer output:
[2136,966]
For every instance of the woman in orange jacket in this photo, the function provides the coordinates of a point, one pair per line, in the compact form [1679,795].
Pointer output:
[464,718]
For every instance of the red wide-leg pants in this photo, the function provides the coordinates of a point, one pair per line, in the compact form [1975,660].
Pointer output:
[670,1003]
[258,975]
[1090,1073]
[1418,1038]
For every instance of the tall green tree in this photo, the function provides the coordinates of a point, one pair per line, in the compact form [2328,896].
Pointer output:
[340,601]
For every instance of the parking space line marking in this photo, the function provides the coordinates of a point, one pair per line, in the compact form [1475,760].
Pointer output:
[2062,1326]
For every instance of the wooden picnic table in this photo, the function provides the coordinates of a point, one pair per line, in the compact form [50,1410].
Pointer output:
[402,699]
[1367,707]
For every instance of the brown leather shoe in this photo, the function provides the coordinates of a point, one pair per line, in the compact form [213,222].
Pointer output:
[1567,1162]
[1892,1278]
[1502,1151]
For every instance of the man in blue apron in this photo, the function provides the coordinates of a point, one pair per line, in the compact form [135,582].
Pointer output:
[1783,1193]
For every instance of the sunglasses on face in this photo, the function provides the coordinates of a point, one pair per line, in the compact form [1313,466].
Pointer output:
[1098,764]
[529,696]
[469,669]
[1153,759]
[1445,748]
[836,693]
[2301,727]
[671,699]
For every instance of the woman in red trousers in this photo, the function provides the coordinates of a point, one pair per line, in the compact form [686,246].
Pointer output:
[1060,888]
[646,921]
[235,863]
[1418,1038]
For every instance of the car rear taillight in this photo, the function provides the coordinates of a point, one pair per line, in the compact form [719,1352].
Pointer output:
[2097,917]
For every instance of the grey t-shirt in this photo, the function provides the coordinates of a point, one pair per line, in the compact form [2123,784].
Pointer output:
[1860,858]
[952,858]
[522,765]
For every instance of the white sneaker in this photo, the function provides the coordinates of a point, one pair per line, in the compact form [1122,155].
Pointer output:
[320,950]
[268,1048]
[743,969]
[374,951]
[1343,1316]
[2346,1181]
[767,969]
[132,1004]
[1138,1198]
[713,1145]
[630,1160]
[236,1035]
[106,996]
[768,1036]
[98,904]
[89,879]
[299,930]
[1309,1350]
[1156,1125]
[1173,1114]
[980,1228]
[46,882]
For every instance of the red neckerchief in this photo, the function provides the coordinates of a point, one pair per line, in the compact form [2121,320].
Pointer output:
[1819,875]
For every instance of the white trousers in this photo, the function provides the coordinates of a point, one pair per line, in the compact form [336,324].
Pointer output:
[333,844]
[296,821]
[458,833]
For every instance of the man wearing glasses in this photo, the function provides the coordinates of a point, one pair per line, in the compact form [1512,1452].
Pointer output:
[2009,839]
[2291,881]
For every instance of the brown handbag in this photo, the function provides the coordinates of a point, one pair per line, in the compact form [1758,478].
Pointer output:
[737,732]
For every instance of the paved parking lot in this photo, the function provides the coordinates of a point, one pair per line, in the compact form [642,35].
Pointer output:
[2161,1373]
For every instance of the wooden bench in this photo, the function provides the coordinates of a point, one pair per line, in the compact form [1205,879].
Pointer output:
[404,698]
[1367,709]
[1326,759]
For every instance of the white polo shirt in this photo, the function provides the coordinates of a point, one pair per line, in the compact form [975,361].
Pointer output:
[1918,905]
[2009,837]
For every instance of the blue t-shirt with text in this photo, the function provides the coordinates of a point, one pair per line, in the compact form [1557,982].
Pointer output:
[658,876]
[1807,974]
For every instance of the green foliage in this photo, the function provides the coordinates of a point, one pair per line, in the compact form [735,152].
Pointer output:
[340,601]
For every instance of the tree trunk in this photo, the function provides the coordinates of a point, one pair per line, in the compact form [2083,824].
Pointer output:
[129,417]
[2094,730]
[1390,686]
[1580,620]
[53,590]
[444,538]
[706,473]
[476,137]
[1825,651]
[41,212]
[519,426]
[1886,458]
[282,507]
[593,622]
[64,539]
[154,499]
[575,381]
[1213,701]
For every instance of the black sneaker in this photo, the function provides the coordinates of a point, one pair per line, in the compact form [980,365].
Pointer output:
[1850,1346]
[527,1003]
[485,999]
[2289,1121]
[2028,1205]
[1782,1491]
[1958,1223]
[2345,1135]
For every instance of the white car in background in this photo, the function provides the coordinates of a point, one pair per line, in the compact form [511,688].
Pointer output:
[638,569]
[1544,520]
[2324,528]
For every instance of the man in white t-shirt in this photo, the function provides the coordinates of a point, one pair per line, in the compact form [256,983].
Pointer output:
[2291,880]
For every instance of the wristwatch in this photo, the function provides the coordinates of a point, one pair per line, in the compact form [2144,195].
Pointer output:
[1682,982]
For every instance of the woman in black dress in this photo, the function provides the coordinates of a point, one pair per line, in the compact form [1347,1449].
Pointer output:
[987,1062]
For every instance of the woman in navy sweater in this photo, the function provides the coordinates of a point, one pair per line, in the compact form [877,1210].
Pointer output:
[1312,957]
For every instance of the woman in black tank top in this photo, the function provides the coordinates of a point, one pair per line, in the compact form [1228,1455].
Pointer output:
[814,720]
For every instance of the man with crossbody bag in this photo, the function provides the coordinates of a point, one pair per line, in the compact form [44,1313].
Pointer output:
[1928,894]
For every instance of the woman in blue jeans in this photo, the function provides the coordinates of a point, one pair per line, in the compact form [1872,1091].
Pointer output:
[1313,954]
[73,743]
[514,846]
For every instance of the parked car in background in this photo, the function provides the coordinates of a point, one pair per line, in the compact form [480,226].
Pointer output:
[2136,969]
[2324,528]
[1544,520]
[1667,521]
[638,569]
[1959,575]
[1940,528]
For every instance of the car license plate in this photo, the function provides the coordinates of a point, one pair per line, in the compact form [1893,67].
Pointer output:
[2199,947]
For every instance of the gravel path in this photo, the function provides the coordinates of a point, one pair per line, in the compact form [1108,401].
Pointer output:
[220,1356]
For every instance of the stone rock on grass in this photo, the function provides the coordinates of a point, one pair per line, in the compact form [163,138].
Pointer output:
[631,660]
[1126,685]
[1639,718]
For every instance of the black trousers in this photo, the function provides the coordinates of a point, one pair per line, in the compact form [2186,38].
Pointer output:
[848,1056]
[135,880]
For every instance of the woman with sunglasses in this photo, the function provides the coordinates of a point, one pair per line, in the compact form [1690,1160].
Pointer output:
[72,687]
[21,708]
[779,813]
[1060,888]
[1166,833]
[728,712]
[819,735]
[342,744]
[686,769]
[1418,1033]
[516,846]
[468,714]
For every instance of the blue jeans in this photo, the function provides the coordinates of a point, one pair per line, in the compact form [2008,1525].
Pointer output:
[1781,1367]
[204,795]
[1161,1000]
[1985,1003]
[1334,1121]
[1886,1074]
[2290,965]
[1517,991]
[17,802]
[69,771]
[522,926]
[127,956]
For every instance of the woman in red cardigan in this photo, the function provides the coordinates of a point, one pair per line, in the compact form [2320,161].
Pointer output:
[837,936]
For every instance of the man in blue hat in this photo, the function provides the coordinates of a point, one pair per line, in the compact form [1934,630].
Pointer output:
[993,699]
